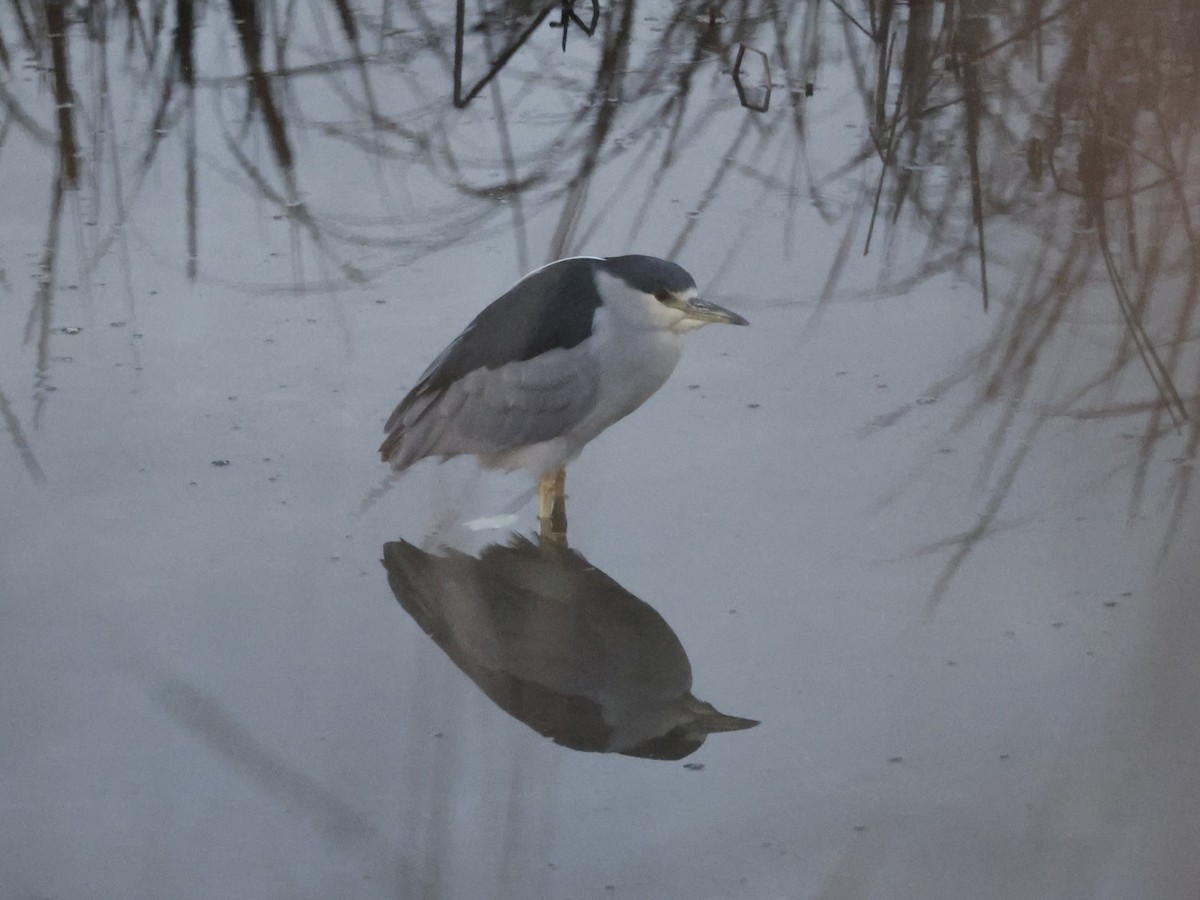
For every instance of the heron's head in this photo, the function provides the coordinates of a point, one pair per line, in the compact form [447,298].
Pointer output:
[657,293]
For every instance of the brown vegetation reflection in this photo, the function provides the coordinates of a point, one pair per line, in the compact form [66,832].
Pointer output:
[1073,123]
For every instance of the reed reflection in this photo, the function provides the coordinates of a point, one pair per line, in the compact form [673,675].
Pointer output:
[1037,149]
[559,645]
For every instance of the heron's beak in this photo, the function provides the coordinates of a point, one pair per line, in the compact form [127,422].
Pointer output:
[702,311]
[706,719]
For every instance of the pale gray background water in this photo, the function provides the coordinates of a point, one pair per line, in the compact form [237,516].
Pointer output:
[965,615]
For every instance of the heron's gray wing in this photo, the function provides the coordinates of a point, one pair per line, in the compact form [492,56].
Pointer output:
[490,411]
[549,309]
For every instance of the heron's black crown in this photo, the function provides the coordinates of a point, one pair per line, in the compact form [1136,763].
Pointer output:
[648,274]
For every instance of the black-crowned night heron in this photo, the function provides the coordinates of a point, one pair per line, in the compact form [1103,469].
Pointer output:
[567,351]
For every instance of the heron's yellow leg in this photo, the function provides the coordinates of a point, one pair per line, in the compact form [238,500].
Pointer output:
[552,500]
[551,489]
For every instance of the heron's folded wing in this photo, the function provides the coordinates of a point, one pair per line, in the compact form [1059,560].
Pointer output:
[494,410]
[524,403]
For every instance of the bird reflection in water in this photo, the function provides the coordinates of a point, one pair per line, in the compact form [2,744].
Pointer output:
[559,645]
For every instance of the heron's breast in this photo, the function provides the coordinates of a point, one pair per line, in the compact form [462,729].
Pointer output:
[631,364]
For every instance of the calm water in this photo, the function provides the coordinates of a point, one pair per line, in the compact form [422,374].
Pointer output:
[923,534]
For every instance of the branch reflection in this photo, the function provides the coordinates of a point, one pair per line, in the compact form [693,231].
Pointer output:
[1037,150]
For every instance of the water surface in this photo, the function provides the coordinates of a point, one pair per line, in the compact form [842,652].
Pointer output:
[928,520]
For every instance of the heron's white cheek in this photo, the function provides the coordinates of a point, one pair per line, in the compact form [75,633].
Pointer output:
[633,308]
[685,324]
